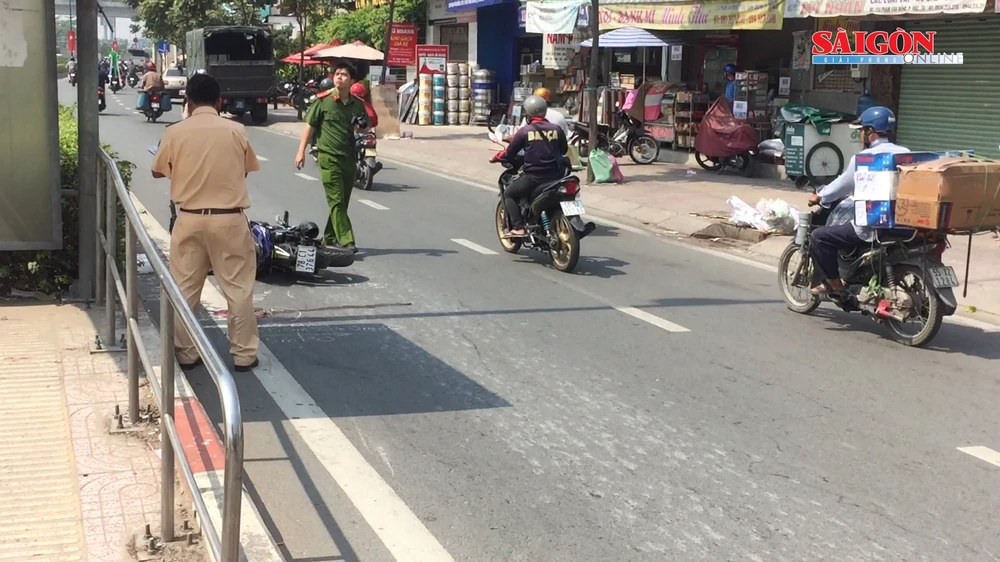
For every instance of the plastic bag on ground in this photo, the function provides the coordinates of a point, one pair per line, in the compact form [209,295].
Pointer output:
[600,163]
[772,216]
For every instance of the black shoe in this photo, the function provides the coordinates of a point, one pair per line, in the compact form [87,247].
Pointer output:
[247,368]
[351,247]
[188,366]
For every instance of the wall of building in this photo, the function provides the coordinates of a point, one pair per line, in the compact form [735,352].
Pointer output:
[497,49]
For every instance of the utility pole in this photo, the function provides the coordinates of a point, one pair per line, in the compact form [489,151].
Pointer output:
[595,69]
[385,44]
[88,138]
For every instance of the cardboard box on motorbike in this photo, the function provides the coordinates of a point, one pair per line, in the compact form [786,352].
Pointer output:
[948,194]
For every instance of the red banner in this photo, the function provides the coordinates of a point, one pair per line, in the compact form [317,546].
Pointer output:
[403,45]
[71,41]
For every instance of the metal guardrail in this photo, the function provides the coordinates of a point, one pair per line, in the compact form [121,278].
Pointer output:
[225,547]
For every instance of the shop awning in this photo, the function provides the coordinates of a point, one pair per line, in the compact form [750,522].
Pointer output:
[632,37]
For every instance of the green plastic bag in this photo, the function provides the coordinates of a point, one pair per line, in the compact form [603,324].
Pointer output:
[600,163]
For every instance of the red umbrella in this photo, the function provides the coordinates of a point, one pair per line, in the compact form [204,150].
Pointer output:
[297,58]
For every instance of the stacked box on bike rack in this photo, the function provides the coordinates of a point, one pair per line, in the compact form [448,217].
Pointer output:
[876,183]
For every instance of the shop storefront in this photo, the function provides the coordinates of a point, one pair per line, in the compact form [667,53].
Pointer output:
[450,23]
[954,107]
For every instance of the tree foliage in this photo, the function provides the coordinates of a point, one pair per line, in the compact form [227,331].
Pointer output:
[367,24]
[169,20]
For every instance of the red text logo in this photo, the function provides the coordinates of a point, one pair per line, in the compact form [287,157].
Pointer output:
[899,42]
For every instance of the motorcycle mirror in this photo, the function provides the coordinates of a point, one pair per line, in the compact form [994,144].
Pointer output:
[152,149]
[286,218]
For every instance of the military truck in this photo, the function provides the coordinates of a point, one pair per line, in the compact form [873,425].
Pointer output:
[241,58]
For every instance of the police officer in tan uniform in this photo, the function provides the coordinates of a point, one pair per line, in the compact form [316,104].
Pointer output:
[207,159]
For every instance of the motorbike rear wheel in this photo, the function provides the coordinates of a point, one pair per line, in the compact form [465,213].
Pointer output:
[785,275]
[932,311]
[509,245]
[567,254]
[706,162]
[644,149]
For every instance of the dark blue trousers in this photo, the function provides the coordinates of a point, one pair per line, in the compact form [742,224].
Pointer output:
[826,241]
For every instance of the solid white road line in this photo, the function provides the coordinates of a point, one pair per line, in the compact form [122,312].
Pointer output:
[305,176]
[399,529]
[373,205]
[982,453]
[651,319]
[473,246]
[261,158]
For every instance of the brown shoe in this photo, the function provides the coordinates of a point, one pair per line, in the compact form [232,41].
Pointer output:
[247,368]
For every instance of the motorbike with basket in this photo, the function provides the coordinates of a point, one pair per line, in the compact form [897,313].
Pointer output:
[154,104]
[552,214]
[896,280]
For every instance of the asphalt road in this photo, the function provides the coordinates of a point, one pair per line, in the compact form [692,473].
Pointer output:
[659,404]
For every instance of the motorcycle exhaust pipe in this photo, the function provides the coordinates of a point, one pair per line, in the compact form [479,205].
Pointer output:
[802,232]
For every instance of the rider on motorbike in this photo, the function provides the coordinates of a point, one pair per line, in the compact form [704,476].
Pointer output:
[544,145]
[876,124]
[71,65]
[151,83]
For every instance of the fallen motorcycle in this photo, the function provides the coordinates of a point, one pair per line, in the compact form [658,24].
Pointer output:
[552,214]
[294,250]
[894,280]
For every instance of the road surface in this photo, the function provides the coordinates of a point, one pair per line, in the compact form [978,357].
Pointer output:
[441,400]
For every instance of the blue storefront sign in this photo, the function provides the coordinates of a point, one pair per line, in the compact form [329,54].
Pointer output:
[582,18]
[462,5]
[162,47]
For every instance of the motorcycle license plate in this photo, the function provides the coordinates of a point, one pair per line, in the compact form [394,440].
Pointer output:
[183,93]
[305,259]
[943,277]
[156,105]
[572,208]
[239,104]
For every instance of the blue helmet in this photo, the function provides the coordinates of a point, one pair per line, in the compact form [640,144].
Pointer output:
[730,68]
[878,118]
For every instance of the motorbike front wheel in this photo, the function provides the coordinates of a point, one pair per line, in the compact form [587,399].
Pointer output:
[928,306]
[803,303]
[644,149]
[509,245]
[706,162]
[567,254]
[364,176]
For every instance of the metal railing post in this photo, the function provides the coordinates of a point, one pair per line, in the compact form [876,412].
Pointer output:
[166,412]
[111,234]
[101,257]
[232,500]
[132,313]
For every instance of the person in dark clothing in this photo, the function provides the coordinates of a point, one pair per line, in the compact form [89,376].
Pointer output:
[102,78]
[544,145]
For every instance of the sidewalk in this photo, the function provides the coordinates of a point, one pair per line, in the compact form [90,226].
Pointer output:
[69,488]
[666,198]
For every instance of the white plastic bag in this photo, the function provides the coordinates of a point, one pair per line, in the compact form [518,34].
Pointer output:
[773,216]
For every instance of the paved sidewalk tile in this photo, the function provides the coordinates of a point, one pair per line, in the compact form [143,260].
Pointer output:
[69,490]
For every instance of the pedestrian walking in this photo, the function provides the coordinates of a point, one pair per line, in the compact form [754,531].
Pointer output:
[207,159]
[334,119]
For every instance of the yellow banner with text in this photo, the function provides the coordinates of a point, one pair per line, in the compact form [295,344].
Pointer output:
[693,16]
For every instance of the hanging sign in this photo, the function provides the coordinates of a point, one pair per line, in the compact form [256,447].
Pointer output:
[551,17]
[71,41]
[736,14]
[403,44]
[834,8]
[557,50]
[677,52]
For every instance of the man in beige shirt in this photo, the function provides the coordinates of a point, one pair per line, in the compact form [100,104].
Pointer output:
[207,159]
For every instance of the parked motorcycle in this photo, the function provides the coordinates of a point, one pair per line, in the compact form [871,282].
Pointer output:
[294,250]
[894,280]
[630,138]
[552,214]
[725,142]
[368,166]
[101,103]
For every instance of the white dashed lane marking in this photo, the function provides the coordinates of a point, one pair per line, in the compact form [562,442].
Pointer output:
[983,454]
[651,319]
[473,246]
[373,205]
[306,176]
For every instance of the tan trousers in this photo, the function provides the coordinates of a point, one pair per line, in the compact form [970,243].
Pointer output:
[220,243]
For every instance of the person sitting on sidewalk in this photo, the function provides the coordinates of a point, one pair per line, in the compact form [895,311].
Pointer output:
[875,123]
[544,145]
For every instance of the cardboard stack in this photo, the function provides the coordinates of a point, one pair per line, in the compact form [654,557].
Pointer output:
[876,185]
[956,193]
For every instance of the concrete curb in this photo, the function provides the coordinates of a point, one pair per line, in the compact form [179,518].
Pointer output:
[200,440]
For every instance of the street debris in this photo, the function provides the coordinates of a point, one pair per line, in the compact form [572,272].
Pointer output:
[771,216]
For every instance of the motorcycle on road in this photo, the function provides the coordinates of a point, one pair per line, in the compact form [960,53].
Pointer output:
[552,214]
[897,279]
[101,102]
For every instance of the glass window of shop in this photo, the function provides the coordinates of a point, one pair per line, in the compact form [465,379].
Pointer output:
[633,60]
[456,36]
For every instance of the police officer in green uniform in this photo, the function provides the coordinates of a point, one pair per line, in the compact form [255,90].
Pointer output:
[334,117]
